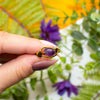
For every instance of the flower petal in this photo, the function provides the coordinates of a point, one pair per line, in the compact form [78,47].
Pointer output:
[42,26]
[68,84]
[55,36]
[62,85]
[69,92]
[42,35]
[50,33]
[61,92]
[49,24]
[74,89]
[54,28]
[56,84]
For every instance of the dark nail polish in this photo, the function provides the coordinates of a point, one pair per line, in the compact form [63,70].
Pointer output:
[43,64]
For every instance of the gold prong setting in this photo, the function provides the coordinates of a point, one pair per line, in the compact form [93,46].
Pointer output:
[48,52]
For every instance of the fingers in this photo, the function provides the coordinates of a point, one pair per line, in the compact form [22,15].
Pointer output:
[16,44]
[21,67]
[7,57]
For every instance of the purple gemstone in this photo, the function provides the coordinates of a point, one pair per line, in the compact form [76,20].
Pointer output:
[49,52]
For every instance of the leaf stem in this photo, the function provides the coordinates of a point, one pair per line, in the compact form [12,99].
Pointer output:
[99,6]
[41,75]
[16,20]
[43,8]
[69,76]
[96,96]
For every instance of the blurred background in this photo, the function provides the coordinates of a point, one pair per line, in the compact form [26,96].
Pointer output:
[23,17]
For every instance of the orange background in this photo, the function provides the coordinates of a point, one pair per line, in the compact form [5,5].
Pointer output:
[67,6]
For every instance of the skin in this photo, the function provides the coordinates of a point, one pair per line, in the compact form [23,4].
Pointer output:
[17,55]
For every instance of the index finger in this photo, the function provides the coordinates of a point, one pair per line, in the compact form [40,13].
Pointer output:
[16,44]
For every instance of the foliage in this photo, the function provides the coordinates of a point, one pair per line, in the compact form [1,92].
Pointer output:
[18,19]
[33,83]
[87,92]
[18,92]
[22,17]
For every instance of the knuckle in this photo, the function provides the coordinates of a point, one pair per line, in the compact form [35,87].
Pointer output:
[3,37]
[20,73]
[22,69]
[3,34]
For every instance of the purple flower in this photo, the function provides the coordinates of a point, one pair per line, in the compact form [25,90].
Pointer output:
[66,86]
[50,33]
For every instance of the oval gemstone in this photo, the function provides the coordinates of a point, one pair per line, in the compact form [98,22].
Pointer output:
[49,52]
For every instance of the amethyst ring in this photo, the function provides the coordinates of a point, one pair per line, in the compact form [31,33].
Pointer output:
[48,52]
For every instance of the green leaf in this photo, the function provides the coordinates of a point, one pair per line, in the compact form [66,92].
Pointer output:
[19,91]
[65,19]
[85,75]
[81,67]
[76,61]
[61,98]
[65,39]
[97,64]
[37,97]
[6,94]
[75,27]
[98,54]
[93,44]
[78,35]
[56,18]
[83,4]
[72,60]
[52,76]
[93,26]
[98,28]
[77,48]
[74,16]
[94,56]
[82,15]
[58,69]
[95,17]
[68,67]
[86,24]
[41,75]
[63,59]
[43,86]
[11,15]
[46,98]
[33,83]
[89,66]
[65,13]
[93,9]
[88,91]
[92,1]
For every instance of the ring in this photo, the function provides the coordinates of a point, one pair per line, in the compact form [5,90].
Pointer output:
[48,52]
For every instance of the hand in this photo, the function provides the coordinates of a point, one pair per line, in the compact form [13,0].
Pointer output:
[17,55]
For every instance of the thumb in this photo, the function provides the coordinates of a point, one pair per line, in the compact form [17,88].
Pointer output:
[20,68]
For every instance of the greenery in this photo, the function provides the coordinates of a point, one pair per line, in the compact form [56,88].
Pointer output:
[15,18]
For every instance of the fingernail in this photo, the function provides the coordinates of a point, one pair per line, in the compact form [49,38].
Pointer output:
[48,43]
[43,64]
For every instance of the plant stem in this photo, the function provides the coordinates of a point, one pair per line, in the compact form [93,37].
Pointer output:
[41,75]
[99,6]
[69,76]
[16,20]
[43,7]
[96,96]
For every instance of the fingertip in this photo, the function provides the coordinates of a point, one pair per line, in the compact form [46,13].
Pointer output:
[47,43]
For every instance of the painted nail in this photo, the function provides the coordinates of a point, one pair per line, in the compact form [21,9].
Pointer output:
[48,43]
[43,64]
